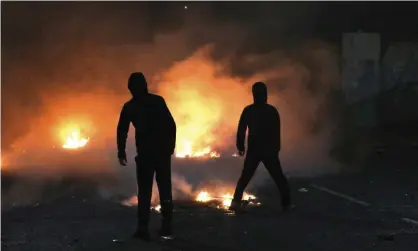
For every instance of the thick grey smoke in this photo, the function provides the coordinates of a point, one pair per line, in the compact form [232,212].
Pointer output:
[66,60]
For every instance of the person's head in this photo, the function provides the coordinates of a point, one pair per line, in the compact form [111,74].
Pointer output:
[137,85]
[260,92]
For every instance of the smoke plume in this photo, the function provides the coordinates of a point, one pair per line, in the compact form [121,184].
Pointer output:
[70,67]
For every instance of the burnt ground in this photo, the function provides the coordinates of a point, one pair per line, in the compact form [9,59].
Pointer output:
[375,209]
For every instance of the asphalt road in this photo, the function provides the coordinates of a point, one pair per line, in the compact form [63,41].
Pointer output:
[373,210]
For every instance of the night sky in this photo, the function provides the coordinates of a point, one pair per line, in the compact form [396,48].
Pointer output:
[22,22]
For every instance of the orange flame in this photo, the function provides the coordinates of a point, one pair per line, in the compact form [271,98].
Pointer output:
[203,197]
[75,140]
[224,200]
[186,150]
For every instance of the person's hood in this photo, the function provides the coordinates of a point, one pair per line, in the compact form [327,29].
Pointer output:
[137,85]
[260,93]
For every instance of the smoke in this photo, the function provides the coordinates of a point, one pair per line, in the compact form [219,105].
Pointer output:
[71,67]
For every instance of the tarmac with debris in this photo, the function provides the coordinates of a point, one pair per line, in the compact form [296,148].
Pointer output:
[369,210]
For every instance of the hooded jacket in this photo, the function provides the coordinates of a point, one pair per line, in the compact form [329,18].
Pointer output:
[263,123]
[155,128]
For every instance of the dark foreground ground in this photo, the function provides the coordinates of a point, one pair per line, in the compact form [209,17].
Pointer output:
[375,209]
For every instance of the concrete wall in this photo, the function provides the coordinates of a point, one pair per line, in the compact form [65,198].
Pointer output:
[360,76]
[399,65]
[365,74]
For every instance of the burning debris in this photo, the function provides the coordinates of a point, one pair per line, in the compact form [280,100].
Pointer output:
[223,201]
[203,197]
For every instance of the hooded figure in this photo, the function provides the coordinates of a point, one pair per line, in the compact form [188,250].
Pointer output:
[137,85]
[263,123]
[155,129]
[155,139]
[260,93]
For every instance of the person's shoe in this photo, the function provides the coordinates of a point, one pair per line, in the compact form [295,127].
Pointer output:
[236,207]
[142,234]
[166,232]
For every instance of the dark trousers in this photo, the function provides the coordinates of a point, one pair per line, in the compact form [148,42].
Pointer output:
[272,163]
[146,166]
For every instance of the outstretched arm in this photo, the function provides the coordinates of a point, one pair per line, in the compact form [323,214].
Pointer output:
[122,132]
[242,129]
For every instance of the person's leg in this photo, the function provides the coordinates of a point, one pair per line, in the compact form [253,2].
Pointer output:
[251,163]
[163,178]
[273,166]
[145,176]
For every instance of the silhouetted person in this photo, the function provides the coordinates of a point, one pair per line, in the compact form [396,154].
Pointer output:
[263,122]
[155,137]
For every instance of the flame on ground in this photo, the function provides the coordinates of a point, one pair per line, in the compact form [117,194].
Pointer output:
[75,140]
[187,151]
[203,197]
[224,200]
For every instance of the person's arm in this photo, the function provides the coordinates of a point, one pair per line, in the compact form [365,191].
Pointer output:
[242,129]
[172,128]
[277,125]
[122,132]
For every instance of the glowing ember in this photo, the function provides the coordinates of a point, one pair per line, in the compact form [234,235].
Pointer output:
[75,140]
[133,201]
[157,208]
[187,151]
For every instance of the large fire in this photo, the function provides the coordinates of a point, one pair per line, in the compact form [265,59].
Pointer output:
[205,103]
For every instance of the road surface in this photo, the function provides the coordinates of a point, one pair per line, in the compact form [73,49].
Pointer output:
[373,210]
